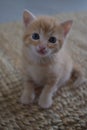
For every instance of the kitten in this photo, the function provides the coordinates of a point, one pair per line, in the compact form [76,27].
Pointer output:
[46,62]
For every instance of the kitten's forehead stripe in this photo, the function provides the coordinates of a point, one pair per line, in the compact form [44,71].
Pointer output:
[46,24]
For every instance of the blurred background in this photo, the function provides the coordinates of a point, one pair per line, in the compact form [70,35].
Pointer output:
[11,10]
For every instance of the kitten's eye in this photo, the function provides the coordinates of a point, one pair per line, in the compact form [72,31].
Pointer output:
[52,39]
[35,36]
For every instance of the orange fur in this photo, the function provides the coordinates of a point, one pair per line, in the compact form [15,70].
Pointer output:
[48,25]
[51,70]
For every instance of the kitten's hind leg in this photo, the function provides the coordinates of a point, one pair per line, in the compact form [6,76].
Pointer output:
[78,75]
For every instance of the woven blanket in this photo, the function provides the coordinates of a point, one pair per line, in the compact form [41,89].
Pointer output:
[69,109]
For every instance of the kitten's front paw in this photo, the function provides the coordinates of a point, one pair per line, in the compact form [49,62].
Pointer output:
[27,99]
[45,102]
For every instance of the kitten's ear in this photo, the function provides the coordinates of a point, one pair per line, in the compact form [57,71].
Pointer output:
[28,17]
[66,27]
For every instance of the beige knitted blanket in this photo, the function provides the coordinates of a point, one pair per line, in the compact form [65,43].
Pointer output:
[69,110]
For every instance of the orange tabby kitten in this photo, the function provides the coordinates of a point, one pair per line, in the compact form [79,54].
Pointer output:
[45,59]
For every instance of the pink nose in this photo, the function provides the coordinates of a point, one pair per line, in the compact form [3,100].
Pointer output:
[42,47]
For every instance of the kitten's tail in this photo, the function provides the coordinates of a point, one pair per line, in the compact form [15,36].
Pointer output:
[78,76]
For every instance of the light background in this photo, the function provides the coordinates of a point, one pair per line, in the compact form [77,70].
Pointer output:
[11,10]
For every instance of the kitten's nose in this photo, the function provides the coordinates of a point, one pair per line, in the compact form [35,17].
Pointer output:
[42,47]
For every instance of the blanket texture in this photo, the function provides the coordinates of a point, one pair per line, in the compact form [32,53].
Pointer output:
[69,110]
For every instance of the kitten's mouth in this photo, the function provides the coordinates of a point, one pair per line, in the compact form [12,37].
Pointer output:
[42,52]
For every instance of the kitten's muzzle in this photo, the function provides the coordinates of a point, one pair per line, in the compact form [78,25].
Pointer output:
[42,49]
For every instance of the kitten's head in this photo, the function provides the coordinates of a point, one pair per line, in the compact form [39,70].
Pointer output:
[44,35]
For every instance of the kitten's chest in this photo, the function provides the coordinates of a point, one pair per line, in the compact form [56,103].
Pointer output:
[38,74]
